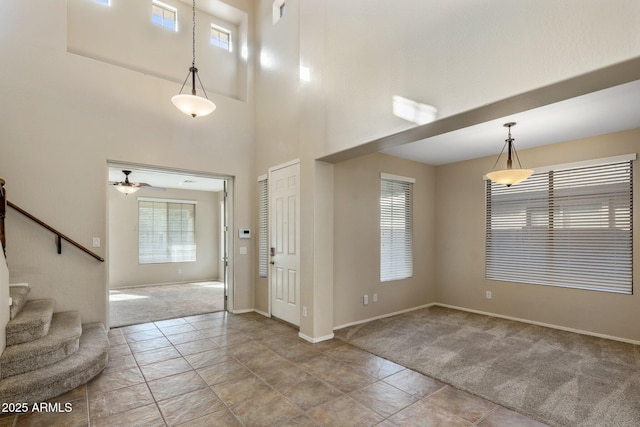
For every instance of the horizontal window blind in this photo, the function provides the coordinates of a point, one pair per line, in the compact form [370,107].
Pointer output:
[396,228]
[569,228]
[166,232]
[263,237]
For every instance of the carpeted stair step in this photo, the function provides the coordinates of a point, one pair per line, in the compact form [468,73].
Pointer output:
[65,375]
[18,294]
[31,323]
[61,341]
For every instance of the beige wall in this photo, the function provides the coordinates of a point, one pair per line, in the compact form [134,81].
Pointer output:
[454,55]
[123,34]
[124,269]
[63,117]
[357,239]
[448,54]
[277,105]
[460,240]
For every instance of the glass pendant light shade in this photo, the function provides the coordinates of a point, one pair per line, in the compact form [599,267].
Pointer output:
[509,176]
[126,188]
[193,105]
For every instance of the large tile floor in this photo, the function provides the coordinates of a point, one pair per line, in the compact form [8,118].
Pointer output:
[221,369]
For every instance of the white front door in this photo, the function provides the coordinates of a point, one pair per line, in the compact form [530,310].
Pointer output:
[284,214]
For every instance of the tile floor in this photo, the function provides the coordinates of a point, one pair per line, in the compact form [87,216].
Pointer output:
[221,369]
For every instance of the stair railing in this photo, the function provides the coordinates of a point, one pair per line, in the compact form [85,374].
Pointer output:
[59,236]
[3,208]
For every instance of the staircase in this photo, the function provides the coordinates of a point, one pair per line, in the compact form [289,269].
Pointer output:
[47,353]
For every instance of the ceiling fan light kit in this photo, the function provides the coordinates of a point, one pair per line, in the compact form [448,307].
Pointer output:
[193,105]
[127,187]
[509,176]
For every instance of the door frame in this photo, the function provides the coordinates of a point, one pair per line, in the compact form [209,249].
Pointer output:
[229,186]
[269,228]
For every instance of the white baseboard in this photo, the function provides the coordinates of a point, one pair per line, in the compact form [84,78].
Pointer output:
[300,334]
[265,314]
[486,313]
[546,325]
[315,340]
[346,325]
[243,311]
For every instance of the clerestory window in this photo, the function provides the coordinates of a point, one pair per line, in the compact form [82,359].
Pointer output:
[164,15]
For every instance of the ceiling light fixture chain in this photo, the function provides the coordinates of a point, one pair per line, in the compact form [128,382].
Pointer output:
[193,35]
[193,104]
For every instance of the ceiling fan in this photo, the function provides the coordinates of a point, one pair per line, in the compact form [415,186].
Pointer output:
[127,187]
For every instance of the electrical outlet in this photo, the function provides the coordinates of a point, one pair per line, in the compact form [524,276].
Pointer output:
[488,294]
[375,297]
[179,271]
[304,312]
[365,300]
[96,242]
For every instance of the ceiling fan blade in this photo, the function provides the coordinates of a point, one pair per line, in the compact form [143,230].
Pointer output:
[128,183]
[148,186]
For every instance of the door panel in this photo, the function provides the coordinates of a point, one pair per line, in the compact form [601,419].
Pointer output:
[292,281]
[293,224]
[284,211]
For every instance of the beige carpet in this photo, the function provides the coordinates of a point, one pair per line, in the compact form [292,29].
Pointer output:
[560,378]
[131,306]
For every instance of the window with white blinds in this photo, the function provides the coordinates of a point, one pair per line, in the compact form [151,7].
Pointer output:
[263,236]
[396,227]
[569,227]
[166,231]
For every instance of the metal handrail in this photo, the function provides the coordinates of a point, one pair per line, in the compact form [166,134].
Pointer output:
[58,234]
[2,214]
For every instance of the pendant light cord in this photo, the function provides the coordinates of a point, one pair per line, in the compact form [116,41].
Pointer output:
[193,35]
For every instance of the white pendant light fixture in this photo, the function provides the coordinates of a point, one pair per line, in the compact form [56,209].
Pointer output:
[509,176]
[193,105]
